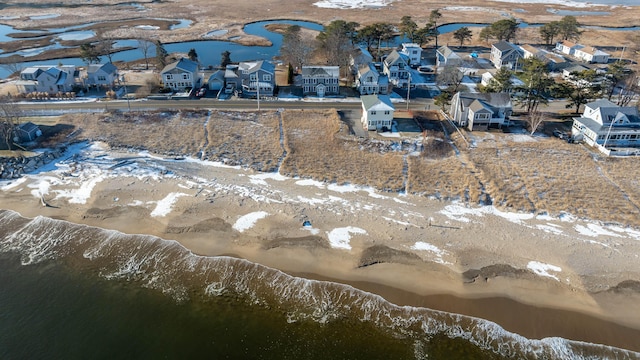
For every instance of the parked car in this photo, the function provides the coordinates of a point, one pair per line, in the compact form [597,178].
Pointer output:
[559,134]
[201,92]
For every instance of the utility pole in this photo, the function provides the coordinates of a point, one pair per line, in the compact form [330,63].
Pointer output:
[408,89]
[126,93]
[258,89]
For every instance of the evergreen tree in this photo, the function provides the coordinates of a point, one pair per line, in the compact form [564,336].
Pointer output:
[225,58]
[89,53]
[192,54]
[463,34]
[161,54]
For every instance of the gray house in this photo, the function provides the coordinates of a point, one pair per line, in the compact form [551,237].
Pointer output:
[320,80]
[26,132]
[101,75]
[479,111]
[250,78]
[370,81]
[506,54]
[181,75]
[396,67]
[606,125]
[48,79]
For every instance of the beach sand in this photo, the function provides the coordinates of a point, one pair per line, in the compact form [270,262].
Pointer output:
[535,275]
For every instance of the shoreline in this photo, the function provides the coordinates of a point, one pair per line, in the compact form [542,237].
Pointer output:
[125,199]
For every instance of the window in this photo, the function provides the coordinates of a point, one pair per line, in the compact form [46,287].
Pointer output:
[185,76]
[169,76]
[266,77]
[253,77]
[372,112]
[387,112]
[102,78]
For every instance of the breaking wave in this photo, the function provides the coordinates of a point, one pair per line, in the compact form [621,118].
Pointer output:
[172,269]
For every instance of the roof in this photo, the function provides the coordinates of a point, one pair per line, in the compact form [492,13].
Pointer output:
[492,100]
[364,68]
[182,64]
[576,68]
[255,66]
[411,45]
[376,102]
[592,51]
[107,68]
[504,46]
[28,127]
[321,71]
[478,105]
[393,58]
[217,75]
[448,53]
[604,111]
[570,44]
[361,51]
[30,70]
[530,49]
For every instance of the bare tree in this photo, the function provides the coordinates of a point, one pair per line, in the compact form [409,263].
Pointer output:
[105,46]
[12,67]
[145,44]
[451,77]
[296,46]
[534,119]
[10,115]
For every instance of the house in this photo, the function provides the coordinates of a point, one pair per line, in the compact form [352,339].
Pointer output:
[320,80]
[395,66]
[48,79]
[592,55]
[101,75]
[568,47]
[488,76]
[566,72]
[445,56]
[216,81]
[413,52]
[359,57]
[370,81]
[553,61]
[251,78]
[505,54]
[377,112]
[606,125]
[181,75]
[479,111]
[26,132]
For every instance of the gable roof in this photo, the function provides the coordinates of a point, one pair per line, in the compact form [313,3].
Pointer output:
[504,46]
[255,66]
[362,53]
[376,102]
[492,100]
[321,71]
[479,106]
[365,68]
[448,53]
[108,68]
[592,51]
[182,64]
[393,58]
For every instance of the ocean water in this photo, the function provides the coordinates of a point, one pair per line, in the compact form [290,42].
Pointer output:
[75,292]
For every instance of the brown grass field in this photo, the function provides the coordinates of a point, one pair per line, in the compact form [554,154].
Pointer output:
[537,175]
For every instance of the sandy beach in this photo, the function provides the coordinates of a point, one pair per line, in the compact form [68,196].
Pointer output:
[410,249]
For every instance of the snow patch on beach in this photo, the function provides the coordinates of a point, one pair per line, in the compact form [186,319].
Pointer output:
[567,3]
[424,246]
[594,230]
[461,213]
[164,206]
[247,221]
[83,193]
[550,228]
[259,179]
[352,4]
[10,185]
[543,269]
[339,238]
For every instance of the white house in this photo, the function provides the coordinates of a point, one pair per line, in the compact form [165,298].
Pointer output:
[216,81]
[49,79]
[181,75]
[370,81]
[479,111]
[395,66]
[101,75]
[568,47]
[592,55]
[377,112]
[606,125]
[446,56]
[553,61]
[413,52]
[320,80]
